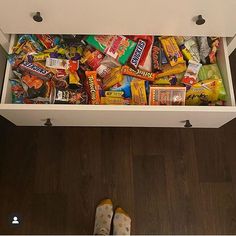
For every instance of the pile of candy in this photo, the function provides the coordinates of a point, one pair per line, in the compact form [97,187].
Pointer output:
[116,70]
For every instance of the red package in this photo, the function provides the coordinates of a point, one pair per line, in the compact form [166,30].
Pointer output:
[148,40]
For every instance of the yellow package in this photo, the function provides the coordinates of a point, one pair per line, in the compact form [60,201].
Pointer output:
[171,50]
[204,92]
[169,70]
[74,78]
[114,101]
[138,91]
[114,77]
[114,94]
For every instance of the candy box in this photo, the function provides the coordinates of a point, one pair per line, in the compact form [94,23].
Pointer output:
[167,95]
[117,46]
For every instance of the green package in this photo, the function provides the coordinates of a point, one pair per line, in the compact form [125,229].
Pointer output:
[117,46]
[212,71]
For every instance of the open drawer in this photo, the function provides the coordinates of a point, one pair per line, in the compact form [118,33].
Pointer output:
[133,115]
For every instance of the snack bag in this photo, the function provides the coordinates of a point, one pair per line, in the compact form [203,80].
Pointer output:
[117,46]
[190,76]
[171,50]
[167,95]
[114,101]
[204,92]
[138,91]
[92,87]
[124,86]
[212,72]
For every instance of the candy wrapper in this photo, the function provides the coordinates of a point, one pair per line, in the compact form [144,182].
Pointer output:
[37,69]
[18,93]
[36,87]
[92,87]
[114,101]
[62,64]
[204,93]
[208,48]
[167,80]
[167,95]
[168,70]
[112,78]
[117,46]
[156,55]
[124,86]
[114,94]
[172,50]
[140,74]
[190,76]
[48,41]
[93,58]
[138,91]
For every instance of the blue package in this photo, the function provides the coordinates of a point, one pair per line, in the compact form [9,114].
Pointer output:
[124,86]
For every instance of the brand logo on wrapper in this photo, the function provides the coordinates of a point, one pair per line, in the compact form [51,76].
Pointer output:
[34,68]
[138,53]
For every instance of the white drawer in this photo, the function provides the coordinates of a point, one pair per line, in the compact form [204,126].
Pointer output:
[155,17]
[140,116]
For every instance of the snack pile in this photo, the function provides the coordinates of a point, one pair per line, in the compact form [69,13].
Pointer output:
[116,70]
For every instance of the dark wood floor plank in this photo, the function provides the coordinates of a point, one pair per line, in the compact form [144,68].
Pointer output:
[152,214]
[212,162]
[219,208]
[48,214]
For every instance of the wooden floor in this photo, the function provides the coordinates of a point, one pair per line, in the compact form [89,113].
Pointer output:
[171,181]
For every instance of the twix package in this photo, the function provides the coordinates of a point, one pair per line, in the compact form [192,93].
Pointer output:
[92,87]
[172,50]
[138,91]
[140,74]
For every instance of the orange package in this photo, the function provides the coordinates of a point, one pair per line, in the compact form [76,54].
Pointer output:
[140,74]
[92,87]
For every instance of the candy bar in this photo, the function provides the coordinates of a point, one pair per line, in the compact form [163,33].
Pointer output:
[140,74]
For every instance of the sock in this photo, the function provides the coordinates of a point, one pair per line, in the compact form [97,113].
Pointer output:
[121,223]
[104,213]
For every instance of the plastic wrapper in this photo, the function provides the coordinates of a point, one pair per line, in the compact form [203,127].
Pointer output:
[190,76]
[92,87]
[167,80]
[48,41]
[114,101]
[124,86]
[138,91]
[18,92]
[112,78]
[168,70]
[117,46]
[140,74]
[167,95]
[93,58]
[208,48]
[114,94]
[205,92]
[171,50]
[70,96]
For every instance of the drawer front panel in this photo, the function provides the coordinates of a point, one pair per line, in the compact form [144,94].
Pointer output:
[120,116]
[119,17]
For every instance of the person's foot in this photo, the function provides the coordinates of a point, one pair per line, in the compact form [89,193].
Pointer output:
[103,217]
[121,222]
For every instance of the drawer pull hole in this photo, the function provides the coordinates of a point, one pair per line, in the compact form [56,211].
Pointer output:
[48,123]
[187,124]
[37,17]
[200,20]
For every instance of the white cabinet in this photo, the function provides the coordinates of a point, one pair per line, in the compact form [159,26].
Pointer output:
[121,17]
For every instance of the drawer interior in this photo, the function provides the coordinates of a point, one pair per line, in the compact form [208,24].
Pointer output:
[222,60]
